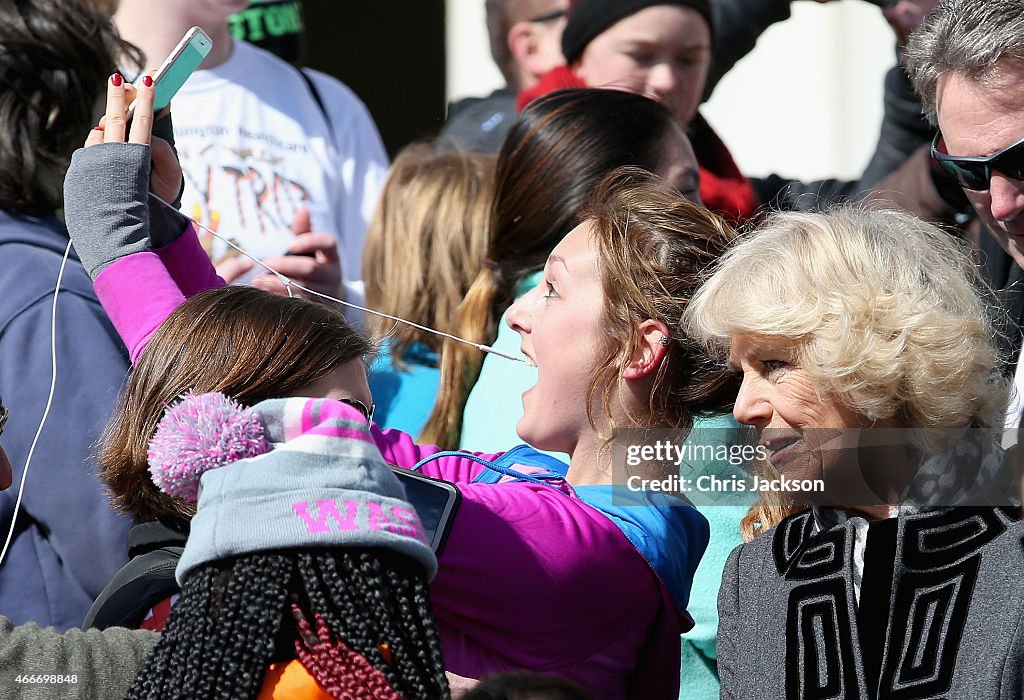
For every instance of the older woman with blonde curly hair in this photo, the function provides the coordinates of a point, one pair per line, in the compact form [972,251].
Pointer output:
[869,369]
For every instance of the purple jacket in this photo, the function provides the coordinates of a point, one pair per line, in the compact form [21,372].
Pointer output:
[531,577]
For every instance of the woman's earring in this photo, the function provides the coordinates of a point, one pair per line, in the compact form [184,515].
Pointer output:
[664,341]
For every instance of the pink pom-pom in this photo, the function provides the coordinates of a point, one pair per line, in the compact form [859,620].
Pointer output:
[202,432]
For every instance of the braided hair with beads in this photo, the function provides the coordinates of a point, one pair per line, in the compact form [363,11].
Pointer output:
[359,621]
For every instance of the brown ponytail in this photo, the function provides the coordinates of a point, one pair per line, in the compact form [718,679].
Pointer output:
[556,152]
[460,363]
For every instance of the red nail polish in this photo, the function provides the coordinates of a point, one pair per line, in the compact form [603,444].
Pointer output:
[116,79]
[147,81]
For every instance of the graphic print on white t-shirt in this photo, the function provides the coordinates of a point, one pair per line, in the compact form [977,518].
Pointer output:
[247,186]
[255,146]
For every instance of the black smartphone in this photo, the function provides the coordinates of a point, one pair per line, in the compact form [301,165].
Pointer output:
[435,502]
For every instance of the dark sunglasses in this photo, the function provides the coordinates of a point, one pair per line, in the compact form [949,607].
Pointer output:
[976,173]
[367,411]
[548,16]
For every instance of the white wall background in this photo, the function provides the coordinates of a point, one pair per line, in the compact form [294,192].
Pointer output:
[806,102]
[470,69]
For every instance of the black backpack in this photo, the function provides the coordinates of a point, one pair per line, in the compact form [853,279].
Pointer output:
[144,581]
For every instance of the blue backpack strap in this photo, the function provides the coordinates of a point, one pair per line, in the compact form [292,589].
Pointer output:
[550,468]
[526,456]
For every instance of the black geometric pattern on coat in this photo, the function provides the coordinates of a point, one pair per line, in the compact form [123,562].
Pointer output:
[790,536]
[819,647]
[940,559]
[930,612]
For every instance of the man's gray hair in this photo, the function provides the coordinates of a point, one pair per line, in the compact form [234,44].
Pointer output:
[964,36]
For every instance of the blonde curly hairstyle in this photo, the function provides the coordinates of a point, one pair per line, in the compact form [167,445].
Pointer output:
[885,311]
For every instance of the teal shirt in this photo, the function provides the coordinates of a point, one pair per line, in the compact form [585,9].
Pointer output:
[404,398]
[698,672]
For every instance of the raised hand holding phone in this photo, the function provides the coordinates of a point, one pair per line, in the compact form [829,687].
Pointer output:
[137,105]
[165,177]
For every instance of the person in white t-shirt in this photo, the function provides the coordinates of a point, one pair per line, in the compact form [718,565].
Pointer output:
[286,163]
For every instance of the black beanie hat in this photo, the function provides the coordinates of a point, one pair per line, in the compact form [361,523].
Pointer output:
[588,18]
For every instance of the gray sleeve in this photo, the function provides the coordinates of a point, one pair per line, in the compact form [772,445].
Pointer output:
[107,207]
[164,128]
[105,203]
[40,664]
[1011,683]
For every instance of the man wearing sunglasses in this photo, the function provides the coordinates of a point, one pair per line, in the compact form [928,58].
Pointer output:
[525,37]
[966,61]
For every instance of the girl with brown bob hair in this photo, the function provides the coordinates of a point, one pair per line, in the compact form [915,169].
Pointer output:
[243,342]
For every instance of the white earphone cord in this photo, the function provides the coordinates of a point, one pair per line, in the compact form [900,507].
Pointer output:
[46,410]
[288,283]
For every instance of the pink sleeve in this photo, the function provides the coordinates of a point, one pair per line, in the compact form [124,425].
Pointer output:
[189,265]
[402,451]
[530,573]
[138,293]
[513,543]
[527,568]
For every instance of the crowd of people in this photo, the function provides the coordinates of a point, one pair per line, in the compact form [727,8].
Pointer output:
[219,477]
